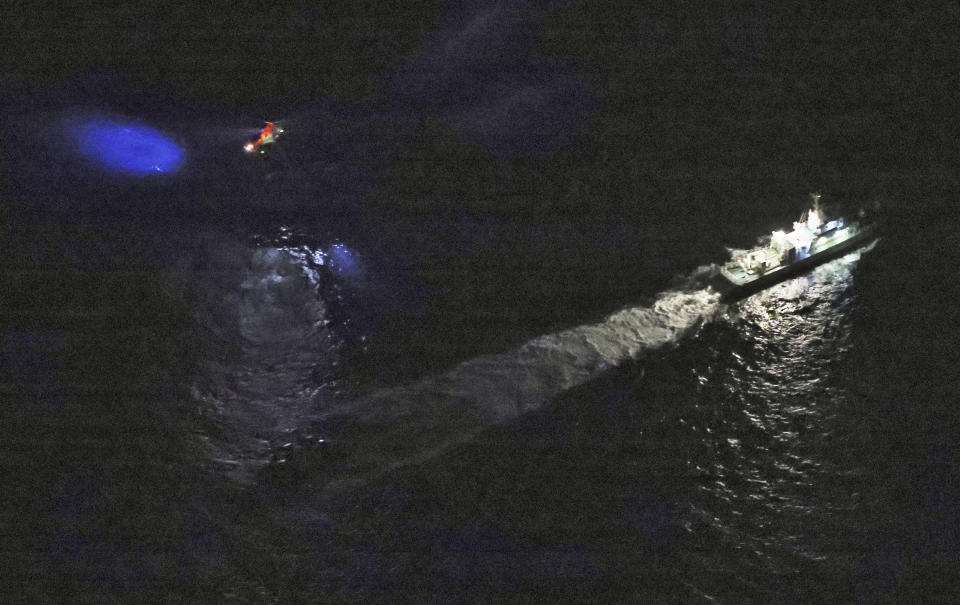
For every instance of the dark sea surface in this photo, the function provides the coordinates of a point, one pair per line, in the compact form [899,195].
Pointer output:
[452,339]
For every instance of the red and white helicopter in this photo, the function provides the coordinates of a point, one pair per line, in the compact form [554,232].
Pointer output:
[268,136]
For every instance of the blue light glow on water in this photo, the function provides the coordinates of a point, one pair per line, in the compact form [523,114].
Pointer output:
[342,259]
[127,148]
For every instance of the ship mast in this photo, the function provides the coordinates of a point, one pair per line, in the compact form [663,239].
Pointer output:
[816,202]
[814,217]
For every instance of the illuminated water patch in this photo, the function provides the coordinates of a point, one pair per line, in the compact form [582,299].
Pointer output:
[127,148]
[342,259]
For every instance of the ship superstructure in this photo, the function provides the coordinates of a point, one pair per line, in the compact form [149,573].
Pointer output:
[812,241]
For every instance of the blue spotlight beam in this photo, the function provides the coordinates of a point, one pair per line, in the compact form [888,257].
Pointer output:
[127,148]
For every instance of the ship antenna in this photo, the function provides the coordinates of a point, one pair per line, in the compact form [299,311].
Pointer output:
[814,217]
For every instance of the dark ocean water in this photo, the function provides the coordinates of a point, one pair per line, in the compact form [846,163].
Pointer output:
[455,342]
[243,419]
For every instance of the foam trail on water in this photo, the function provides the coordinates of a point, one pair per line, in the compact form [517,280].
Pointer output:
[411,423]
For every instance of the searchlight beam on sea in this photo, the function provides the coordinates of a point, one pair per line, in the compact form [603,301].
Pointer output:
[124,146]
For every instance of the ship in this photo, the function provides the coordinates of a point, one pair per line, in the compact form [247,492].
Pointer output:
[814,240]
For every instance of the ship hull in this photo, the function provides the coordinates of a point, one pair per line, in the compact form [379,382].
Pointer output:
[732,292]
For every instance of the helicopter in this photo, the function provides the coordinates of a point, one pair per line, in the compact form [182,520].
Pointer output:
[269,135]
